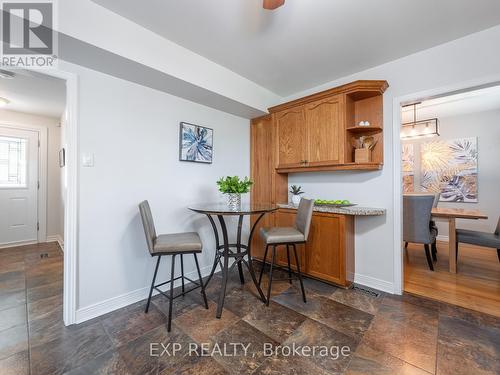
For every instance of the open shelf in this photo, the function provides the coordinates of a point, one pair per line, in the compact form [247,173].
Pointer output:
[365,129]
[372,166]
[364,106]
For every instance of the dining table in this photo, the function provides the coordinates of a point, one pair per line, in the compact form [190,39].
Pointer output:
[225,249]
[452,214]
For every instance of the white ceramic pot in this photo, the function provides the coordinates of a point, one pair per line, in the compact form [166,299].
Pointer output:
[234,201]
[296,199]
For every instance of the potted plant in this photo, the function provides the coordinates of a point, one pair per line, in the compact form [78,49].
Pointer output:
[296,192]
[233,187]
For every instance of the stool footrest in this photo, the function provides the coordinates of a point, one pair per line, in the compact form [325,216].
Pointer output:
[156,287]
[179,295]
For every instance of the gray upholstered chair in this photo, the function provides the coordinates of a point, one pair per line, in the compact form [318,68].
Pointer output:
[480,238]
[171,244]
[288,236]
[434,227]
[416,218]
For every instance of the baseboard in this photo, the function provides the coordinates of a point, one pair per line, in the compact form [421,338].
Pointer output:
[16,244]
[371,282]
[115,303]
[56,238]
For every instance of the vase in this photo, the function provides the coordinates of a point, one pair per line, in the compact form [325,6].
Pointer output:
[234,201]
[296,199]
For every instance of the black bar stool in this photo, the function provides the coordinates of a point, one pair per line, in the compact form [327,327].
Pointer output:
[171,244]
[288,236]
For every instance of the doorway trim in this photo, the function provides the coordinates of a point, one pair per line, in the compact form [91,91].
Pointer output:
[396,156]
[70,142]
[42,132]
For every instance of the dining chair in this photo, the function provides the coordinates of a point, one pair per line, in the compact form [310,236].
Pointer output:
[171,245]
[480,238]
[434,228]
[416,218]
[289,237]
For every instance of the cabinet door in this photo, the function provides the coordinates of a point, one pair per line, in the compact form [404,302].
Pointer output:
[326,248]
[262,172]
[287,219]
[292,142]
[325,127]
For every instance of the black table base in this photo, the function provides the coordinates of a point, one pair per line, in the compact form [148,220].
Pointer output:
[238,251]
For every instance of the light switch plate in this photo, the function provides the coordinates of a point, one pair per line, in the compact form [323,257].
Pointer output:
[88,160]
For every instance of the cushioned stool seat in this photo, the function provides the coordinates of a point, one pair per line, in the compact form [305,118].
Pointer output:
[188,242]
[171,245]
[281,235]
[289,237]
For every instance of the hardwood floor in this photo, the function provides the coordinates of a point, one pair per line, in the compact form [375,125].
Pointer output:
[475,286]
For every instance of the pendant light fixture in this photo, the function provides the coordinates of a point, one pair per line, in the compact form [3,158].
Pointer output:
[419,128]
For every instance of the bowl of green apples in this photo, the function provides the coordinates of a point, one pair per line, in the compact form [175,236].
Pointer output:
[333,203]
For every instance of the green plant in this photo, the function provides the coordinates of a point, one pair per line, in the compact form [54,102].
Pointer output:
[233,184]
[296,190]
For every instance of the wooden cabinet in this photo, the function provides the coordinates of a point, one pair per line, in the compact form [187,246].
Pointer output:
[329,252]
[316,133]
[269,187]
[330,248]
[311,135]
[291,137]
[324,122]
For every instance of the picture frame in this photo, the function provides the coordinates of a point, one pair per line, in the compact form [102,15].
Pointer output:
[195,143]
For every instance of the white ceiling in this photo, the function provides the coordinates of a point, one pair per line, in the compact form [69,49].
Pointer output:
[34,93]
[307,42]
[481,100]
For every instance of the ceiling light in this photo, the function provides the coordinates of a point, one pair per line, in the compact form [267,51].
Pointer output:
[420,128]
[273,4]
[4,102]
[6,74]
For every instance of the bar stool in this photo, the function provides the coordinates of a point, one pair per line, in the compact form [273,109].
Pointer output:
[288,236]
[171,244]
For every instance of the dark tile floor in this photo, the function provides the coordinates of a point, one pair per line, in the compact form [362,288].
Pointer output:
[379,335]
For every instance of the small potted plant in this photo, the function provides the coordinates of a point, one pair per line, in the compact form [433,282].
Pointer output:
[296,192]
[233,187]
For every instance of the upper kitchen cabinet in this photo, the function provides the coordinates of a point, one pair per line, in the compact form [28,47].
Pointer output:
[324,122]
[291,137]
[320,132]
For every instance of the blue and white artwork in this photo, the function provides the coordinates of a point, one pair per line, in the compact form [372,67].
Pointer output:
[196,143]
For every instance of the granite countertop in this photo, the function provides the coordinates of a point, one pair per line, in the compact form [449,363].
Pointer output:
[354,210]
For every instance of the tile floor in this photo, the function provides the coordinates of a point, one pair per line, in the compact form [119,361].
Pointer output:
[385,334]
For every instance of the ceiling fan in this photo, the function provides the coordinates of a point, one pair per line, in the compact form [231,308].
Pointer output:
[273,4]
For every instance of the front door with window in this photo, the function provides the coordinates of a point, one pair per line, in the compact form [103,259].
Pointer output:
[18,186]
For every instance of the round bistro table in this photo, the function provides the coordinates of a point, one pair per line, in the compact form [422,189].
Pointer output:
[226,250]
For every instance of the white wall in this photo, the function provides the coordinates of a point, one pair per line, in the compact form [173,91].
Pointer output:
[486,127]
[473,58]
[133,132]
[137,43]
[55,212]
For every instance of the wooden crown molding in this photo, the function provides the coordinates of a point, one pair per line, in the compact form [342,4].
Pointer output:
[377,86]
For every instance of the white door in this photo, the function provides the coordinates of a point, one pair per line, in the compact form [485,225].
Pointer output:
[18,185]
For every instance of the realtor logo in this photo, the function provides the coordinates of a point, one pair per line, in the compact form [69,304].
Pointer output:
[28,36]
